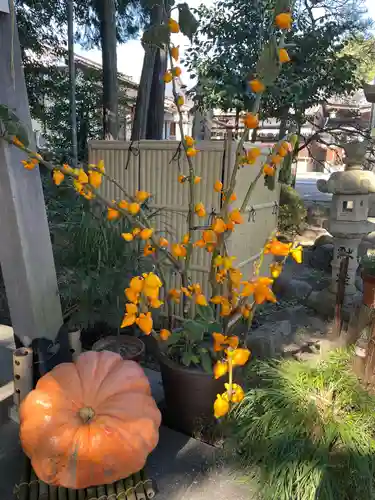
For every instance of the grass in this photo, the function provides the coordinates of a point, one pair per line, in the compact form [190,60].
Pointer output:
[308,432]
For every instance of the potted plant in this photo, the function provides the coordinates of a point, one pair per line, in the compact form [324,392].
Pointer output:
[368,276]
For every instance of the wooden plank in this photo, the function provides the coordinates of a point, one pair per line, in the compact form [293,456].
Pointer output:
[25,247]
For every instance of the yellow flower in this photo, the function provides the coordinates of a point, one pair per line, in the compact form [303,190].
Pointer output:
[145,323]
[237,393]
[178,250]
[218,186]
[268,170]
[284,21]
[136,284]
[129,319]
[200,210]
[257,86]
[235,277]
[175,295]
[220,276]
[197,179]
[180,100]
[236,217]
[136,231]
[251,121]
[283,56]
[131,295]
[127,236]
[219,226]
[176,71]
[228,262]
[58,177]
[146,233]
[113,214]
[167,77]
[240,356]
[165,334]
[222,342]
[95,178]
[220,369]
[173,26]
[100,166]
[142,196]
[175,53]
[152,280]
[217,299]
[182,179]
[163,242]
[221,407]
[189,141]
[134,208]
[123,204]
[276,269]
[201,300]
[82,177]
[191,152]
[297,254]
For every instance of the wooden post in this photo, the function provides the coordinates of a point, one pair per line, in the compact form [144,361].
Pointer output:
[25,247]
[22,373]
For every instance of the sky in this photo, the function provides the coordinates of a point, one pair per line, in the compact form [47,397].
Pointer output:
[130,54]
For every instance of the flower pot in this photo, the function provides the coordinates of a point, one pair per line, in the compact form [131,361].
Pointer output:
[130,348]
[189,395]
[368,290]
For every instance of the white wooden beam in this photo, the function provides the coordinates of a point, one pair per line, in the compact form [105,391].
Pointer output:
[4,6]
[25,247]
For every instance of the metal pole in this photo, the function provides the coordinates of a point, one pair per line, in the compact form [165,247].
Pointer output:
[72,81]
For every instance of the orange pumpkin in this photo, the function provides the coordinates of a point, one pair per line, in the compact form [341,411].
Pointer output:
[90,422]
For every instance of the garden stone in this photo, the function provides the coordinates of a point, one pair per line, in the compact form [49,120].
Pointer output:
[367,243]
[287,288]
[267,340]
[324,239]
[359,283]
[322,256]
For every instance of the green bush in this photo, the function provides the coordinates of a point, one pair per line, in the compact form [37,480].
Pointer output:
[368,263]
[308,431]
[292,212]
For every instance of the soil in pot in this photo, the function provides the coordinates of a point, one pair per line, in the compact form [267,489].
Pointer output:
[189,396]
[368,290]
[130,348]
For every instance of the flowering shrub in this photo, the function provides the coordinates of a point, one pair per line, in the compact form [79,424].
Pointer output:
[206,340]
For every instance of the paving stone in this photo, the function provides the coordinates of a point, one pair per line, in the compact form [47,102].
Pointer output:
[10,460]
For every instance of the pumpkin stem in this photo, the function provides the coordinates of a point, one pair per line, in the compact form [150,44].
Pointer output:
[86,414]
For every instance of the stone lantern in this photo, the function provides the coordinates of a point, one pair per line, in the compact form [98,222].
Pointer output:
[348,222]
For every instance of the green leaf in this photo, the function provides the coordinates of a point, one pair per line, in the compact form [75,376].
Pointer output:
[174,338]
[214,327]
[206,313]
[187,358]
[282,6]
[187,21]
[195,359]
[156,35]
[268,67]
[194,329]
[206,361]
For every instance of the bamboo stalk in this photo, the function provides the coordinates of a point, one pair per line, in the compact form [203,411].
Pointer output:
[34,486]
[23,491]
[81,494]
[22,373]
[72,494]
[62,493]
[120,490]
[52,492]
[43,490]
[129,487]
[75,344]
[139,490]
[147,484]
[101,493]
[111,492]
[91,494]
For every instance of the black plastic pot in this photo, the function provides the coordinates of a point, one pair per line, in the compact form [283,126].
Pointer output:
[189,396]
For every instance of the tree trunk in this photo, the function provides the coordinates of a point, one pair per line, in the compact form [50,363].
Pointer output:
[155,116]
[106,10]
[283,123]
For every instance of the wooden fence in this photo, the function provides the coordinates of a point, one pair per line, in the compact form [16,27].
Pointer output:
[154,166]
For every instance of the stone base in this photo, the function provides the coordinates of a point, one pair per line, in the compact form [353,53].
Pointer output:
[324,303]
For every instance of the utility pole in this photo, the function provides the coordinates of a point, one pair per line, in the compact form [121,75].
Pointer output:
[72,81]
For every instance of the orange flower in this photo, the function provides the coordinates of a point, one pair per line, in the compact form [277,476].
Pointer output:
[136,231]
[173,26]
[113,214]
[145,323]
[257,86]
[132,296]
[31,164]
[189,141]
[276,247]
[246,311]
[165,334]
[218,186]
[268,170]
[218,226]
[191,152]
[142,196]
[58,177]
[209,236]
[148,250]
[175,295]
[152,280]
[237,394]
[186,238]
[176,71]
[276,159]
[127,236]
[230,226]
[67,169]
[220,369]
[201,300]
[259,287]
[178,250]
[175,53]
[226,308]
[156,303]
[217,299]
[167,77]
[146,234]
[200,210]
[197,179]
[129,319]
[134,208]
[236,217]
[123,204]
[182,179]
[283,56]
[221,405]
[222,342]
[284,21]
[200,244]
[240,356]
[17,142]
[95,178]
[251,121]
[220,276]
[253,154]
[235,276]
[163,242]
[136,284]
[282,152]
